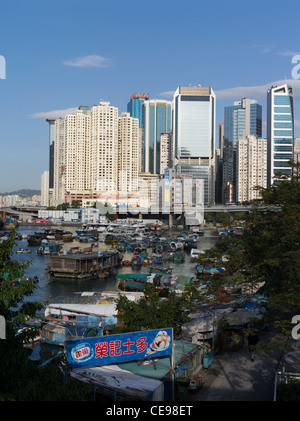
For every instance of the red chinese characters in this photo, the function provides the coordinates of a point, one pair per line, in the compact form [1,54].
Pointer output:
[128,345]
[81,353]
[141,345]
[101,349]
[116,348]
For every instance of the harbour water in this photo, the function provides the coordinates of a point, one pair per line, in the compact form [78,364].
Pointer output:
[58,290]
[67,290]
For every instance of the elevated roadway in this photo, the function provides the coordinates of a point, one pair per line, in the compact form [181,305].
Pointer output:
[21,212]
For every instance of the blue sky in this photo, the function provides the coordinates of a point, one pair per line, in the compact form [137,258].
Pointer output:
[64,54]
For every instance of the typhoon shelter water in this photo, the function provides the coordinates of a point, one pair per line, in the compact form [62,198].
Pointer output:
[65,290]
[62,289]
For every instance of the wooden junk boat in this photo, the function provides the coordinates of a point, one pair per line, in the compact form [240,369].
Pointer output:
[80,266]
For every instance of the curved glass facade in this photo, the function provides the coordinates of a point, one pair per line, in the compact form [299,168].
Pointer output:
[280,131]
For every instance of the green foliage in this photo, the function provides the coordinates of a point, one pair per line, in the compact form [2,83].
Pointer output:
[12,296]
[152,313]
[22,379]
[63,206]
[267,257]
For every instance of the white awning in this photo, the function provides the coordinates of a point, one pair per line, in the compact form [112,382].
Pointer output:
[84,309]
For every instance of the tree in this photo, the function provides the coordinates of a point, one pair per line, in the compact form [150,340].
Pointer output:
[75,204]
[63,206]
[266,259]
[152,313]
[20,377]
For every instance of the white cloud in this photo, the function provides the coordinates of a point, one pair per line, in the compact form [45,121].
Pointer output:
[266,50]
[55,113]
[256,92]
[252,92]
[287,53]
[88,61]
[167,94]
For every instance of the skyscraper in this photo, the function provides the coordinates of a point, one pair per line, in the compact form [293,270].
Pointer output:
[280,131]
[135,106]
[221,138]
[194,111]
[156,121]
[77,143]
[103,156]
[58,195]
[166,150]
[128,153]
[251,167]
[242,119]
[45,188]
[51,150]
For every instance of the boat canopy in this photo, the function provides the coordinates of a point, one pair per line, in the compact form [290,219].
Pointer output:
[132,276]
[88,309]
[134,285]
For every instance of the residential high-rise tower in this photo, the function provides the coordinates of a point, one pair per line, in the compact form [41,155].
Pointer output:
[129,152]
[77,145]
[104,145]
[251,167]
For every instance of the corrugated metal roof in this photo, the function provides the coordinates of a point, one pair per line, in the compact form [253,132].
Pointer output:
[160,367]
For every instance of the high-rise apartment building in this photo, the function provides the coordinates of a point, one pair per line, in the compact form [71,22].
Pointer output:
[45,188]
[51,122]
[194,112]
[156,121]
[58,195]
[166,151]
[77,144]
[297,150]
[129,153]
[251,167]
[280,131]
[104,145]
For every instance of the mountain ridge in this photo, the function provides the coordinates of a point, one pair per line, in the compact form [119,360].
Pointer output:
[23,192]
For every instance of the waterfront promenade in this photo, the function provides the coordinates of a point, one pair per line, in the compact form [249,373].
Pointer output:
[234,377]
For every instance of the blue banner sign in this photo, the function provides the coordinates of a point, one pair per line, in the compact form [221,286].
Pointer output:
[119,348]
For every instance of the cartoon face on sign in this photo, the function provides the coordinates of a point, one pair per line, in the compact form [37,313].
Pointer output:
[160,343]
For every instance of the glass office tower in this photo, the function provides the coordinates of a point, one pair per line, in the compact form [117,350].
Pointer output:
[156,121]
[280,131]
[193,110]
[135,106]
[243,118]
